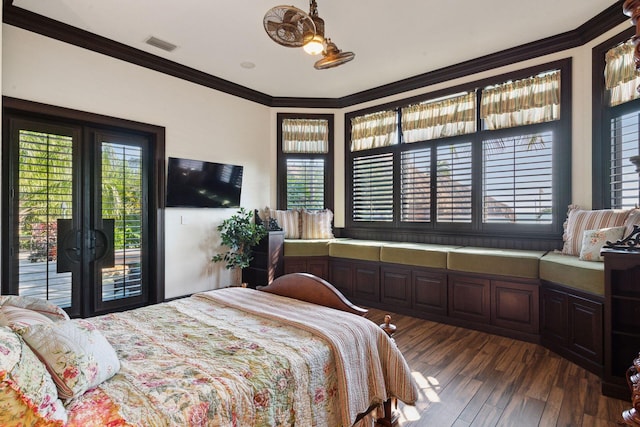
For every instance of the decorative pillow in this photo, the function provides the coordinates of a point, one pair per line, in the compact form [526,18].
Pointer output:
[77,355]
[289,220]
[579,221]
[316,224]
[28,395]
[632,219]
[42,306]
[17,317]
[593,240]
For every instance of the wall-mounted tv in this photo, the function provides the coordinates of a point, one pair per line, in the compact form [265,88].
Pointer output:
[199,184]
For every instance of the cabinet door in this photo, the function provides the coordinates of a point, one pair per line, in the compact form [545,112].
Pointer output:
[585,332]
[366,284]
[318,267]
[395,285]
[469,298]
[554,316]
[429,292]
[295,265]
[515,306]
[341,276]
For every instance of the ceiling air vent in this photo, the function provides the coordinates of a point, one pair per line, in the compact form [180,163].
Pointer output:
[161,44]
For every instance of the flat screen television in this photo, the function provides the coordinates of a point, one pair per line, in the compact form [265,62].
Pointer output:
[199,184]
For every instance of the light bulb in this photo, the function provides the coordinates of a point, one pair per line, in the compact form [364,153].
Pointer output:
[314,46]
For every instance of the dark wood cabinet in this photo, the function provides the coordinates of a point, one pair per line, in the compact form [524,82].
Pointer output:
[622,319]
[267,262]
[469,298]
[515,306]
[359,280]
[395,283]
[571,324]
[429,292]
[554,321]
[318,266]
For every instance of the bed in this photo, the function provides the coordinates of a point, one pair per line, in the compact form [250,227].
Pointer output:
[293,353]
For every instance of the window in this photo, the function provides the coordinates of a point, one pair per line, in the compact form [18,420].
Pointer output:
[305,164]
[373,188]
[616,181]
[518,179]
[490,158]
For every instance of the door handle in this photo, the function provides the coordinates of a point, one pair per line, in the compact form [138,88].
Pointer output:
[102,243]
[69,246]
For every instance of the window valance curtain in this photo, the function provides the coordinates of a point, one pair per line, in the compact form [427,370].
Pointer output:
[522,102]
[305,136]
[439,119]
[374,130]
[620,75]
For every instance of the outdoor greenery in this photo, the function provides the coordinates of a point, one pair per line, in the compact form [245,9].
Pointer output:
[240,234]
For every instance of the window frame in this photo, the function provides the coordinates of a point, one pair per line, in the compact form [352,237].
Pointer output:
[601,121]
[479,232]
[327,157]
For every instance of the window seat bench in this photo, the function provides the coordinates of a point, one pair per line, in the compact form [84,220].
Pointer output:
[544,297]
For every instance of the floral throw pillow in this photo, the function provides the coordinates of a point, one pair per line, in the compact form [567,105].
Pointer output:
[77,355]
[28,395]
[594,240]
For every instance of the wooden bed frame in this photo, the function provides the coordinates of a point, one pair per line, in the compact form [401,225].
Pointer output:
[310,288]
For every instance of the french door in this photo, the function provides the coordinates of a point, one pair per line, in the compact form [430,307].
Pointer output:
[79,219]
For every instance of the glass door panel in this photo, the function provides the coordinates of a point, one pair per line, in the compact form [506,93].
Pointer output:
[122,213]
[44,196]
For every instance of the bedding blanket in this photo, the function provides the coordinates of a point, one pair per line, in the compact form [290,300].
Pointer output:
[241,357]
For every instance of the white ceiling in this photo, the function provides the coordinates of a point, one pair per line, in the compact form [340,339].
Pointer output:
[392,39]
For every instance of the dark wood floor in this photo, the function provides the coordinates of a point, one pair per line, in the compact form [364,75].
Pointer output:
[470,378]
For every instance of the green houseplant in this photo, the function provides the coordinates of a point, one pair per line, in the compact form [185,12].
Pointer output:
[240,234]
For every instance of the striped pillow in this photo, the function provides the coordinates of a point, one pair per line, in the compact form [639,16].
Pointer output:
[289,221]
[317,224]
[42,306]
[580,221]
[18,317]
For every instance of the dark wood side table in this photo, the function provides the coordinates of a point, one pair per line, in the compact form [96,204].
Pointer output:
[621,319]
[267,262]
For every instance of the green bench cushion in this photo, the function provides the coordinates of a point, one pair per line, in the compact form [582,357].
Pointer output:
[416,254]
[304,247]
[504,262]
[570,271]
[365,250]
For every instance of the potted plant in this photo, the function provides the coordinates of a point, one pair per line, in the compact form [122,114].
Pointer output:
[240,234]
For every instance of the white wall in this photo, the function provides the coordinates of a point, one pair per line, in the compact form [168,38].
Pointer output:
[200,123]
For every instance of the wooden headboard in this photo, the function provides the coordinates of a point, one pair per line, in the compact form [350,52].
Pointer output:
[310,288]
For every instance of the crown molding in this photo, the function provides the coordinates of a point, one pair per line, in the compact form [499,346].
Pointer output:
[57,30]
[27,20]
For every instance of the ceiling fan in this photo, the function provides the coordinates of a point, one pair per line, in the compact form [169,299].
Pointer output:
[292,27]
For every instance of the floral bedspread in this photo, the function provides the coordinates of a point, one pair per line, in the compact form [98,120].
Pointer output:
[201,362]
